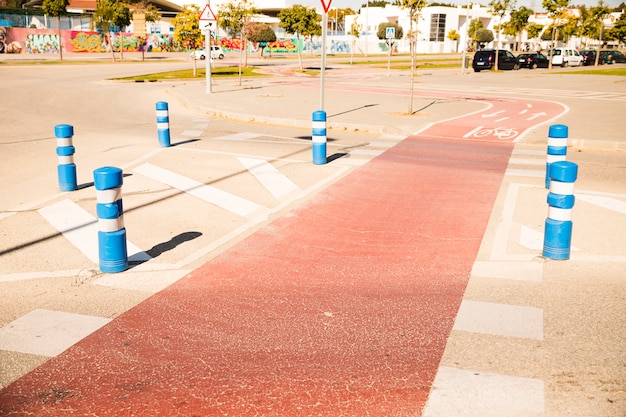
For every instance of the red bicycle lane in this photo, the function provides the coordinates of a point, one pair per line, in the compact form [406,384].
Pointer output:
[502,119]
[342,307]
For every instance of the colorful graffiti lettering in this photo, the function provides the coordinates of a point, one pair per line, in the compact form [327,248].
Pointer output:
[85,42]
[41,43]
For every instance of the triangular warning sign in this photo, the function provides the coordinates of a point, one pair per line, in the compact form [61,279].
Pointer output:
[326,5]
[207,14]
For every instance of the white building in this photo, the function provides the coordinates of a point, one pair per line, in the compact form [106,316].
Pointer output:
[433,27]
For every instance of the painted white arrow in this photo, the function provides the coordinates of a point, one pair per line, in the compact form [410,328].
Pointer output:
[536,115]
[494,114]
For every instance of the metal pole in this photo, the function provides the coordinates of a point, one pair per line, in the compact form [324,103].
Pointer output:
[207,54]
[323,66]
[367,28]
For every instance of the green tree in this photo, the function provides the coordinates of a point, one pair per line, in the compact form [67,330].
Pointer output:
[474,26]
[300,21]
[415,8]
[499,8]
[533,30]
[483,37]
[338,17]
[454,36]
[518,22]
[187,31]
[355,32]
[121,18]
[555,10]
[598,14]
[103,18]
[56,8]
[233,18]
[618,31]
[382,31]
[260,33]
[375,3]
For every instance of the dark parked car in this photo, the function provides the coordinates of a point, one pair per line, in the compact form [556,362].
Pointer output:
[589,56]
[612,56]
[486,59]
[532,60]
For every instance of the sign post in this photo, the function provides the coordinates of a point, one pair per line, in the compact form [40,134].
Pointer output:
[390,34]
[325,6]
[208,17]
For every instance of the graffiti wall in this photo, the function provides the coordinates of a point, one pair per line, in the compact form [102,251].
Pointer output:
[44,41]
[16,40]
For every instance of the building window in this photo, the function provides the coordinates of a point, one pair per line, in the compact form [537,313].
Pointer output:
[437,27]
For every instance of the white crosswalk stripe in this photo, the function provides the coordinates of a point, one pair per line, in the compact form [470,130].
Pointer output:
[81,229]
[213,195]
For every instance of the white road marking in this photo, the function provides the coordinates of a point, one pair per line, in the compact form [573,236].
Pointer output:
[604,202]
[47,332]
[500,320]
[520,271]
[81,229]
[271,178]
[468,393]
[238,136]
[192,133]
[220,198]
[525,173]
[148,281]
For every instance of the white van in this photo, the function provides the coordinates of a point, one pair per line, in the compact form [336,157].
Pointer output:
[216,52]
[565,57]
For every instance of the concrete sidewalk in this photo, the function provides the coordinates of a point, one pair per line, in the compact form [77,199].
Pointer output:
[523,335]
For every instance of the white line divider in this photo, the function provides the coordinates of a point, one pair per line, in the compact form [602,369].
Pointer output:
[271,178]
[81,229]
[220,198]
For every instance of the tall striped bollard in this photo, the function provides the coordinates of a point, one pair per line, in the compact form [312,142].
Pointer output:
[163,124]
[112,248]
[319,137]
[558,229]
[66,169]
[557,147]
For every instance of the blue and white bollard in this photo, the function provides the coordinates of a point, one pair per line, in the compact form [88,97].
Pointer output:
[112,248]
[163,124]
[558,229]
[557,147]
[65,151]
[319,137]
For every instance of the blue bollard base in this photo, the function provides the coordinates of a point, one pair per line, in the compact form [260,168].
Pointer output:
[557,239]
[164,138]
[319,153]
[112,251]
[67,177]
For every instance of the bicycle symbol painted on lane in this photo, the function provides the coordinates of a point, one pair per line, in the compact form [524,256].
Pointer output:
[501,133]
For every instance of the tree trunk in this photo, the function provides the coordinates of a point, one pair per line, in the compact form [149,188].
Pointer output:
[299,53]
[60,40]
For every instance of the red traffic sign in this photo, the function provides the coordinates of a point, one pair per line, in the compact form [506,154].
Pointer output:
[207,14]
[325,5]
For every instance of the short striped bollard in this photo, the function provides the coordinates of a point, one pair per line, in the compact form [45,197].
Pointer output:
[557,147]
[319,137]
[558,229]
[112,248]
[65,151]
[163,124]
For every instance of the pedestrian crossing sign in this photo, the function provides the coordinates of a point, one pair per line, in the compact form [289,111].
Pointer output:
[390,33]
[207,14]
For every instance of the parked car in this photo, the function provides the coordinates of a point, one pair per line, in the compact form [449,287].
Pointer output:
[532,60]
[565,57]
[486,59]
[589,56]
[216,52]
[612,56]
